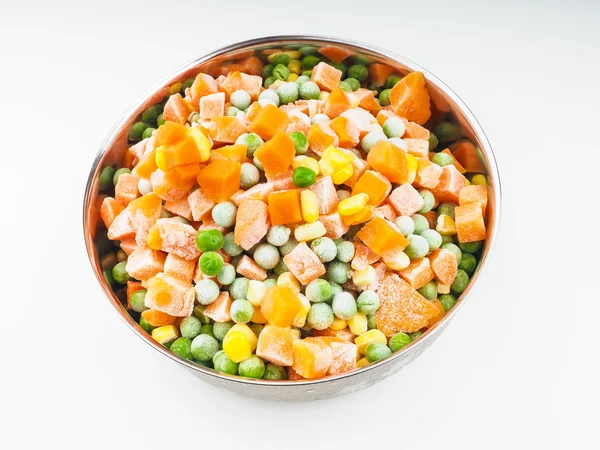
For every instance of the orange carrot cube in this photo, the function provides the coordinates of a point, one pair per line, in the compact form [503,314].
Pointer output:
[203,85]
[402,308]
[417,147]
[366,99]
[165,188]
[450,184]
[145,263]
[235,81]
[170,295]
[226,129]
[276,155]
[212,105]
[406,200]
[470,226]
[200,204]
[312,357]
[458,165]
[109,210]
[346,131]
[375,185]
[282,181]
[363,257]
[444,265]
[335,53]
[389,160]
[418,273]
[146,165]
[269,121]
[251,224]
[440,315]
[359,166]
[336,103]
[284,207]
[467,155]
[158,318]
[260,192]
[275,345]
[281,305]
[379,73]
[176,110]
[179,267]
[220,180]
[334,225]
[235,153]
[386,211]
[219,310]
[326,194]
[363,120]
[173,237]
[126,189]
[345,334]
[180,208]
[428,174]
[321,137]
[248,268]
[473,193]
[327,77]
[410,98]
[416,131]
[304,264]
[343,354]
[382,237]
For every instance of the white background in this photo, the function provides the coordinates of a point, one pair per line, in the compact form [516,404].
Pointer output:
[517,368]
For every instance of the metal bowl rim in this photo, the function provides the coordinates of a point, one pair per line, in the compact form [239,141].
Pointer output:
[287,39]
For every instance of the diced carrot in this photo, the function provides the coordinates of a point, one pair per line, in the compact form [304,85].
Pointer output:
[226,129]
[405,200]
[276,155]
[203,85]
[252,223]
[326,194]
[440,315]
[336,103]
[375,185]
[472,194]
[200,204]
[220,180]
[410,98]
[346,131]
[281,305]
[379,73]
[212,105]
[470,225]
[416,131]
[253,65]
[109,210]
[126,189]
[179,267]
[248,268]
[176,110]
[321,137]
[444,265]
[269,121]
[234,81]
[146,165]
[458,165]
[382,237]
[343,354]
[467,155]
[312,357]
[169,189]
[260,192]
[158,318]
[335,53]
[428,174]
[235,153]
[366,99]
[304,264]
[450,184]
[219,310]
[275,345]
[334,225]
[389,160]
[180,208]
[284,207]
[327,77]
[418,273]
[417,147]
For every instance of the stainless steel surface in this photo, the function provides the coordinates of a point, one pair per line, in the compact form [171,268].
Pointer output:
[444,100]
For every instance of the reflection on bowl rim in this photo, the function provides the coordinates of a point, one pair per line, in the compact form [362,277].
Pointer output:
[491,166]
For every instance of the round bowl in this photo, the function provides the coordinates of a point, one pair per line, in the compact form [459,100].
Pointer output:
[446,105]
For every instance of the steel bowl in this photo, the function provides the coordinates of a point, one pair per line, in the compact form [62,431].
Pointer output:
[446,105]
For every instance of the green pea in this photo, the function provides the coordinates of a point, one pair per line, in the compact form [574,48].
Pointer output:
[268,82]
[307,73]
[204,347]
[371,322]
[267,71]
[281,58]
[137,300]
[150,115]
[241,311]
[442,159]
[429,290]
[415,335]
[281,72]
[447,209]
[160,120]
[344,305]
[447,301]
[376,351]
[145,325]
[320,316]
[418,247]
[392,80]
[433,142]
[433,238]
[220,329]
[106,177]
[148,132]
[182,347]
[384,97]
[399,340]
[119,273]
[338,271]
[199,314]
[428,200]
[345,86]
[118,173]
[470,247]
[309,91]
[287,93]
[447,132]
[460,282]
[302,79]
[208,330]
[300,142]
[239,288]
[468,263]
[222,363]
[211,263]
[309,50]
[256,327]
[359,72]
[136,131]
[421,223]
[230,247]
[207,240]
[304,177]
[353,83]
[310,61]
[318,290]
[253,367]
[367,302]
[190,327]
[273,372]
[186,84]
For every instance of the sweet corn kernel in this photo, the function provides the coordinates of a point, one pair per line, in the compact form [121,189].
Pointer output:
[412,165]
[239,342]
[295,67]
[479,179]
[342,175]
[467,182]
[165,334]
[353,204]
[399,261]
[202,143]
[443,288]
[153,238]
[309,205]
[306,161]
[256,292]
[175,88]
[338,324]
[362,363]
[300,319]
[309,231]
[364,277]
[287,279]
[295,332]
[370,336]
[445,225]
[358,324]
[336,156]
[292,77]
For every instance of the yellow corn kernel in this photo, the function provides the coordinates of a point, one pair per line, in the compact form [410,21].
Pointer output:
[358,324]
[364,277]
[300,319]
[445,225]
[412,165]
[154,240]
[293,54]
[443,288]
[309,205]
[399,261]
[306,161]
[295,67]
[479,179]
[165,334]
[342,175]
[337,156]
[467,182]
[239,342]
[175,88]
[202,142]
[295,332]
[256,292]
[338,324]
[323,95]
[309,231]
[370,336]
[353,204]
[362,363]
[287,279]
[292,77]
